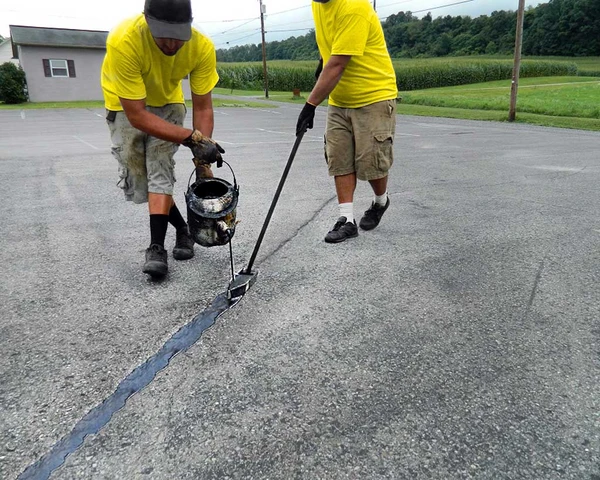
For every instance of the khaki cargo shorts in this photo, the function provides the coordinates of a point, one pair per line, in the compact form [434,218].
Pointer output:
[361,140]
[146,163]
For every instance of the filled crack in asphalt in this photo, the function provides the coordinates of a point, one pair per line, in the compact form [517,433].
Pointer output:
[139,378]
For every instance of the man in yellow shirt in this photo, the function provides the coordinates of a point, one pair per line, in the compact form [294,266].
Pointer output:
[147,57]
[359,78]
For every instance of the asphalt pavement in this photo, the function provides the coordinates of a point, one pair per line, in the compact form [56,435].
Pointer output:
[459,339]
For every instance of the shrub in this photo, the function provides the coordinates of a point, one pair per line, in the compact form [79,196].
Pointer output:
[12,83]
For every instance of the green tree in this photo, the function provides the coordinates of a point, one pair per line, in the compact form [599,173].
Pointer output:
[12,83]
[558,27]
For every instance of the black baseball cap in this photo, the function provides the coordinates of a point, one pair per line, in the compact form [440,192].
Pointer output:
[169,18]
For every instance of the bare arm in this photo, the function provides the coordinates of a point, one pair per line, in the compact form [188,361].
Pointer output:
[151,124]
[329,78]
[203,114]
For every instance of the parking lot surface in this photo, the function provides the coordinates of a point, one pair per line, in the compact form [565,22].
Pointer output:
[459,339]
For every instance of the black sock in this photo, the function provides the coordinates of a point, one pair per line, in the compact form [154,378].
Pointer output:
[158,229]
[176,219]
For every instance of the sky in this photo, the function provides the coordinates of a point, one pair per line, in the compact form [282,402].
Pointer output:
[226,22]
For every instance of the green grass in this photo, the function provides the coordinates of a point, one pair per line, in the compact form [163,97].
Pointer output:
[499,116]
[258,95]
[567,102]
[552,96]
[100,104]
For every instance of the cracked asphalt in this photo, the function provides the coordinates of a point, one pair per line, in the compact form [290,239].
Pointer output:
[459,339]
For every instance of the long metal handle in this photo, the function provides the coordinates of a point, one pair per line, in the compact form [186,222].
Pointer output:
[274,202]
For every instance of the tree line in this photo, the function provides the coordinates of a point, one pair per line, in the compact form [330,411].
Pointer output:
[556,28]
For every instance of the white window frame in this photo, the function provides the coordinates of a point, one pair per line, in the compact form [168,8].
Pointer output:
[59,64]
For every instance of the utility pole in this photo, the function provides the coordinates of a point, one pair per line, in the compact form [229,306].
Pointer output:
[375,5]
[263,9]
[514,86]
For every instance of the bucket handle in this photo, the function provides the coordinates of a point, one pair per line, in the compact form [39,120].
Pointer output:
[235,185]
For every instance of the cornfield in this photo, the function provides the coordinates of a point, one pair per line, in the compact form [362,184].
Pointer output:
[409,75]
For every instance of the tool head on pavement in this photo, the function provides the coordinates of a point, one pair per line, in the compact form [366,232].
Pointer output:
[241,283]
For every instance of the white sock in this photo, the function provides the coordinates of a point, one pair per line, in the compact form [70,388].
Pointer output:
[381,199]
[347,210]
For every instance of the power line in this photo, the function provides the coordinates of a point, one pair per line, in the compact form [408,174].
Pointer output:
[241,38]
[295,23]
[395,3]
[291,30]
[429,9]
[254,18]
[240,25]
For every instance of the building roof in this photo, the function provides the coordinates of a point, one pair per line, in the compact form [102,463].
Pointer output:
[56,37]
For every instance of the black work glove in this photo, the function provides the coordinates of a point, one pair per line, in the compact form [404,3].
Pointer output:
[306,118]
[319,69]
[204,149]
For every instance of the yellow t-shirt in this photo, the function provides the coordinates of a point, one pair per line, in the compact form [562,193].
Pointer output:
[351,27]
[134,68]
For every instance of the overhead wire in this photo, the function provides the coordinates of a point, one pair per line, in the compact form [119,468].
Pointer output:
[241,38]
[428,9]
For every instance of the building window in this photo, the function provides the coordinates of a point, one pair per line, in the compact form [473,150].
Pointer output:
[59,68]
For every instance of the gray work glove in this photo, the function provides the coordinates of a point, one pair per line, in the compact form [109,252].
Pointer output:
[204,148]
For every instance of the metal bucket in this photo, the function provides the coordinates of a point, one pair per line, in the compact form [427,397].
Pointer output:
[211,209]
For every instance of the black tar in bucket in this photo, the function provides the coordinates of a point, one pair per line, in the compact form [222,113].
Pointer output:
[211,210]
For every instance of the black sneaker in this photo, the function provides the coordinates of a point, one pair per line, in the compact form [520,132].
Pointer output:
[341,231]
[373,215]
[184,245]
[156,261]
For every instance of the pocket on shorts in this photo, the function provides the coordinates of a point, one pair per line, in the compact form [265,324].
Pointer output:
[383,144]
[124,183]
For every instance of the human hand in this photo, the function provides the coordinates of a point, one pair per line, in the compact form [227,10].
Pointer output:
[306,118]
[204,148]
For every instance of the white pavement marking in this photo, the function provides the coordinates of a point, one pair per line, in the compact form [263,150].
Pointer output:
[86,143]
[263,110]
[554,168]
[275,143]
[273,131]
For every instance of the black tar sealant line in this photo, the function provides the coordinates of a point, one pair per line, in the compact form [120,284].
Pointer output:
[139,378]
[142,375]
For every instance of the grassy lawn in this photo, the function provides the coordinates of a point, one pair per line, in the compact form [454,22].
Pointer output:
[555,96]
[99,104]
[566,102]
[498,116]
[258,95]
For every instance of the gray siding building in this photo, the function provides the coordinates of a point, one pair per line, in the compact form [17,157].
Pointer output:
[60,64]
[6,53]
